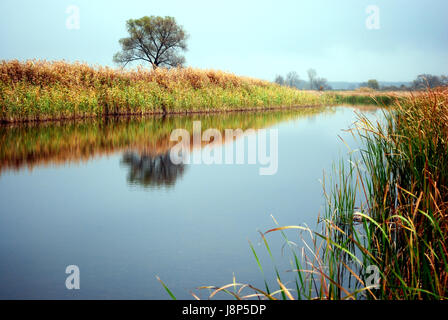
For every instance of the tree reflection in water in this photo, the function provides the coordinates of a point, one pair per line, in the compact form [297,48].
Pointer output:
[151,171]
[58,143]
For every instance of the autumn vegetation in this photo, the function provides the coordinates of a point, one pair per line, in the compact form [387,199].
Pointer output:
[38,90]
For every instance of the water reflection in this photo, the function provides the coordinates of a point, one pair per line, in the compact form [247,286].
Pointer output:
[151,171]
[188,225]
[57,143]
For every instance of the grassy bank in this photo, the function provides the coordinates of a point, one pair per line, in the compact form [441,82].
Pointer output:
[40,90]
[384,233]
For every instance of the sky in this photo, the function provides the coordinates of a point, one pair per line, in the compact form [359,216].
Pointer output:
[344,40]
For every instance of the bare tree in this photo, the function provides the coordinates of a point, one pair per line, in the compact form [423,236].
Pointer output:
[424,81]
[312,74]
[444,80]
[317,83]
[279,80]
[322,84]
[292,79]
[156,40]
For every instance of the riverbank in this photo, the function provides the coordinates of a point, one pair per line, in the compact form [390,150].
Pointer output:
[41,90]
[386,221]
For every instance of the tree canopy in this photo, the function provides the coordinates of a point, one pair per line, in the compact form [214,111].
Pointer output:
[156,40]
[373,84]
[424,81]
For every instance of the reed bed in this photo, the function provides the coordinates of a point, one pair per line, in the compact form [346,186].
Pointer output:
[384,232]
[405,186]
[41,90]
[37,90]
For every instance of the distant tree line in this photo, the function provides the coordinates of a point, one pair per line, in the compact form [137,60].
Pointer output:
[372,84]
[314,82]
[428,80]
[293,80]
[422,81]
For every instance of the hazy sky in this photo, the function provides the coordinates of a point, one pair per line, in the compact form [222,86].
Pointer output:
[254,38]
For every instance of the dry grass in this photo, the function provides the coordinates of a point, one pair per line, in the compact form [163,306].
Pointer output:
[44,73]
[41,90]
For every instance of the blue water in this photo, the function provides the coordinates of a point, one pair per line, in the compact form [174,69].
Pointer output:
[191,232]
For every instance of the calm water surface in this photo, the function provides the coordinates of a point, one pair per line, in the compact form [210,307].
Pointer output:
[104,196]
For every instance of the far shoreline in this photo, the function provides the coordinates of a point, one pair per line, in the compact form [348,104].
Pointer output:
[5,122]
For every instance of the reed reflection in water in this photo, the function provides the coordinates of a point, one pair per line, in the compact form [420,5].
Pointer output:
[59,143]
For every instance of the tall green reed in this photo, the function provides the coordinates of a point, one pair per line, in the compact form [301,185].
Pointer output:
[385,228]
